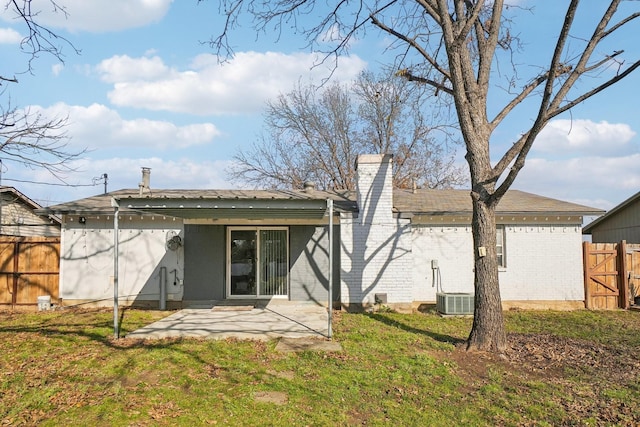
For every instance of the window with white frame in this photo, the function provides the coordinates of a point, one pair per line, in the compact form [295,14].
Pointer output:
[500,246]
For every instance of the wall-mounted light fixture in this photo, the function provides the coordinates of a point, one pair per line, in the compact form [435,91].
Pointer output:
[82,220]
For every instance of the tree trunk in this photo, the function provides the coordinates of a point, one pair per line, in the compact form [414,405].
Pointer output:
[487,333]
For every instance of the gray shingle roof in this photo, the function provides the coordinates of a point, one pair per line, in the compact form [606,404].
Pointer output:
[459,202]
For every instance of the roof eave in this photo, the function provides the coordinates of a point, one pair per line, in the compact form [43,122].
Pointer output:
[612,212]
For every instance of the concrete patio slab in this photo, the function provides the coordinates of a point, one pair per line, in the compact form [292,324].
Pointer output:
[263,322]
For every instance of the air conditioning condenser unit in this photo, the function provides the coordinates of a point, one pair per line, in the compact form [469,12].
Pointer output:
[454,303]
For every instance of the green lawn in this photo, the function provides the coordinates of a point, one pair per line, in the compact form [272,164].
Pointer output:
[562,368]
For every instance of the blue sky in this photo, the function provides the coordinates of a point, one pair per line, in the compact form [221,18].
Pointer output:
[145,91]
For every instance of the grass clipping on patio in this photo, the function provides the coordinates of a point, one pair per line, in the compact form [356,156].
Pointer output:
[64,368]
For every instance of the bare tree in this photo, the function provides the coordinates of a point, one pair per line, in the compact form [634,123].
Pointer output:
[35,141]
[454,46]
[316,135]
[26,136]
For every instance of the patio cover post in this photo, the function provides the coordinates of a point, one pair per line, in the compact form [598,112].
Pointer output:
[116,327]
[330,306]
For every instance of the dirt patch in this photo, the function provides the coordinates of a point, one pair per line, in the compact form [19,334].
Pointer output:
[287,375]
[145,378]
[544,353]
[307,344]
[557,360]
[552,355]
[275,397]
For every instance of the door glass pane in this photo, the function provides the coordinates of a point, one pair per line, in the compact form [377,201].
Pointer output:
[243,262]
[273,262]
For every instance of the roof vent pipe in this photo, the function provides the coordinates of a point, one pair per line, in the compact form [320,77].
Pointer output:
[146,178]
[309,186]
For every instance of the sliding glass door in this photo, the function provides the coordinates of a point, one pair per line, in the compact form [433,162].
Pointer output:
[242,262]
[274,262]
[258,262]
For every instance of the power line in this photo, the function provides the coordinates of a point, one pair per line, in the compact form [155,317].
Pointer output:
[51,183]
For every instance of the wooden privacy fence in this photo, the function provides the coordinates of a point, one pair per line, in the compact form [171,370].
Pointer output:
[29,268]
[611,274]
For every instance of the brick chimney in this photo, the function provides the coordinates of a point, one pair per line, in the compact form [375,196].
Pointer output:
[146,179]
[374,182]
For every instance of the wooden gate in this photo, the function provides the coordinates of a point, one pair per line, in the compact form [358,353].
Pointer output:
[632,263]
[29,268]
[611,274]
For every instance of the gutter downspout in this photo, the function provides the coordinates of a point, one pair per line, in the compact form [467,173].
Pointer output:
[116,241]
[330,306]
[162,299]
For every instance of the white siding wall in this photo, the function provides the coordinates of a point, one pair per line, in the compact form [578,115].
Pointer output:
[19,220]
[622,225]
[543,262]
[87,259]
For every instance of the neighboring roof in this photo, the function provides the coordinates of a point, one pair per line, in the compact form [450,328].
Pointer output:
[458,202]
[18,195]
[614,211]
[28,202]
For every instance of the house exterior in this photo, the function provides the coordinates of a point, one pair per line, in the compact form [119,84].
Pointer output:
[18,217]
[389,246]
[199,245]
[620,223]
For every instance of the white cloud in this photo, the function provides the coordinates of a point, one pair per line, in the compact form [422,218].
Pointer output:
[241,85]
[586,137]
[123,68]
[601,182]
[97,126]
[56,69]
[9,36]
[100,15]
[175,174]
[122,172]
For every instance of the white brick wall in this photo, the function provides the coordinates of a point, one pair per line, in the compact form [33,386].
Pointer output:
[452,248]
[543,262]
[375,188]
[376,247]
[376,259]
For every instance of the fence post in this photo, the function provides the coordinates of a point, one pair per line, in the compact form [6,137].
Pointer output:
[623,276]
[586,246]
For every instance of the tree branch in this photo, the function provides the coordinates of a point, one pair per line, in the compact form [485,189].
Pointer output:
[555,69]
[412,42]
[413,78]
